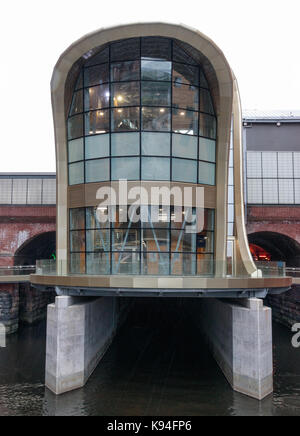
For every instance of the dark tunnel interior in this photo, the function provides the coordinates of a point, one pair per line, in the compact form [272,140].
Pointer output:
[42,246]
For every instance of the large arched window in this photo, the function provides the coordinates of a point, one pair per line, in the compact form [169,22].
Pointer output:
[142,110]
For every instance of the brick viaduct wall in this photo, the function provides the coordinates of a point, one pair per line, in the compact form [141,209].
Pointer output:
[19,224]
[280,219]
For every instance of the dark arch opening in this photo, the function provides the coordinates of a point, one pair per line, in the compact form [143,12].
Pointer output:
[42,246]
[280,247]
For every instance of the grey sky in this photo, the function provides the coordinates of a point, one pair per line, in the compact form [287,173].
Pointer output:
[259,38]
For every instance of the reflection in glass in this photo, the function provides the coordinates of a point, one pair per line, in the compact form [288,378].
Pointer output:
[77,219]
[183,264]
[156,94]
[125,168]
[185,74]
[127,49]
[125,119]
[206,104]
[156,119]
[77,263]
[184,170]
[125,94]
[126,263]
[124,71]
[126,239]
[127,144]
[207,149]
[98,58]
[156,70]
[155,239]
[155,263]
[96,146]
[98,240]
[96,75]
[208,126]
[96,97]
[77,240]
[185,96]
[97,170]
[155,168]
[206,173]
[76,173]
[180,55]
[97,122]
[92,218]
[75,150]
[184,146]
[98,263]
[75,126]
[156,47]
[156,144]
[185,122]
[76,106]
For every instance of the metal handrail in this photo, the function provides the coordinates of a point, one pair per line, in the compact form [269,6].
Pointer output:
[17,270]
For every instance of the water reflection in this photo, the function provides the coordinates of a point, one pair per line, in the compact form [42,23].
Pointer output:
[157,365]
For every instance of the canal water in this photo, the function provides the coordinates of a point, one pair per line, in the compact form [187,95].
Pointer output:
[157,365]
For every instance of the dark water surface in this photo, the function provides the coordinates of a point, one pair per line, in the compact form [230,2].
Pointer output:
[157,365]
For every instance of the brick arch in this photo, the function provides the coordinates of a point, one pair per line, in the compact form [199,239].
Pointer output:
[39,246]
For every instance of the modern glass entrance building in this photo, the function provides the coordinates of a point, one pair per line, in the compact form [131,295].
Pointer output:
[151,104]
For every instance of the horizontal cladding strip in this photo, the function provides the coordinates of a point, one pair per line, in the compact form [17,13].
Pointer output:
[85,195]
[153,282]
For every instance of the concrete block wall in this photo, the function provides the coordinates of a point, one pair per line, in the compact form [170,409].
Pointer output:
[33,303]
[239,334]
[79,331]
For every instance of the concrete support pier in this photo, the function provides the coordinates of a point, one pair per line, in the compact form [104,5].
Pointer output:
[79,331]
[239,334]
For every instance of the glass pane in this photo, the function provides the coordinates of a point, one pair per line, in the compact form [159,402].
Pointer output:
[97,122]
[156,70]
[76,173]
[209,219]
[156,94]
[208,126]
[126,239]
[92,218]
[77,240]
[185,122]
[205,264]
[127,49]
[184,146]
[207,150]
[126,263]
[206,104]
[79,83]
[270,191]
[97,170]
[185,96]
[96,146]
[125,168]
[96,75]
[125,144]
[77,219]
[156,144]
[156,263]
[183,264]
[184,170]
[154,168]
[75,126]
[124,71]
[98,240]
[155,217]
[185,74]
[96,97]
[77,263]
[180,55]
[98,58]
[156,119]
[203,81]
[98,263]
[182,241]
[155,239]
[205,242]
[77,105]
[125,119]
[156,48]
[125,94]
[75,150]
[206,173]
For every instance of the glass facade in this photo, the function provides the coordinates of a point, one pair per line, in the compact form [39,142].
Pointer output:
[142,110]
[152,241]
